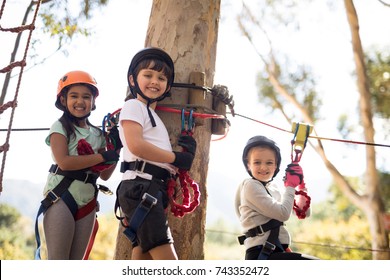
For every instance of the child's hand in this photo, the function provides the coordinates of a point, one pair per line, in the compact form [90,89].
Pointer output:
[113,134]
[183,160]
[294,175]
[110,156]
[188,143]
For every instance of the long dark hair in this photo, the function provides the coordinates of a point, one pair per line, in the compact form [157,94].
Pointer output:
[70,124]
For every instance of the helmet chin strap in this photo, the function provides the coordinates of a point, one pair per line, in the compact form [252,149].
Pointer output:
[137,90]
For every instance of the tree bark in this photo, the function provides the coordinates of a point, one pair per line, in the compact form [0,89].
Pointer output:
[188,31]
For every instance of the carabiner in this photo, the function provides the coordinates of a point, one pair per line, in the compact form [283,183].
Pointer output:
[299,141]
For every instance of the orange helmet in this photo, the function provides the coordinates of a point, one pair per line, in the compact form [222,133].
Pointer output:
[75,77]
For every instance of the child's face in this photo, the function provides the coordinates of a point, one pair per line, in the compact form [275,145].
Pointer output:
[152,83]
[262,163]
[79,100]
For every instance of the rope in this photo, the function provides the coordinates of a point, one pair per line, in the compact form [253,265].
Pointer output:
[216,116]
[318,137]
[187,206]
[22,65]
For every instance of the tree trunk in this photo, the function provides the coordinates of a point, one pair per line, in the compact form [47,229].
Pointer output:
[373,204]
[188,31]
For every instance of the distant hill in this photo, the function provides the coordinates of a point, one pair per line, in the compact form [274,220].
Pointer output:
[26,196]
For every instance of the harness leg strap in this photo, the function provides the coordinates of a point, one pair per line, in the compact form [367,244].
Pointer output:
[271,244]
[267,250]
[142,210]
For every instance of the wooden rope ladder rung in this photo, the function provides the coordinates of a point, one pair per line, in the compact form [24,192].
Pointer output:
[22,64]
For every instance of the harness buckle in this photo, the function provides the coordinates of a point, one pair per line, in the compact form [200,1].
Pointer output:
[56,170]
[268,248]
[259,230]
[149,200]
[53,197]
[139,165]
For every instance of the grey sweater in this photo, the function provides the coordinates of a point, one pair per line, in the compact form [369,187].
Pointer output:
[255,206]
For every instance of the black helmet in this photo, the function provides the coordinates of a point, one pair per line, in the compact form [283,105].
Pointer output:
[261,141]
[150,53]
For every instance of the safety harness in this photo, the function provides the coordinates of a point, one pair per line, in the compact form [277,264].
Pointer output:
[61,191]
[272,241]
[148,200]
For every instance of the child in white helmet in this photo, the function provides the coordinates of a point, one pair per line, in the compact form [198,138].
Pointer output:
[80,155]
[262,207]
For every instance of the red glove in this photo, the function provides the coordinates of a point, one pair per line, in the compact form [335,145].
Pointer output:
[294,175]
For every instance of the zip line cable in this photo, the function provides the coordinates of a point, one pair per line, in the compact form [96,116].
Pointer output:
[216,116]
[329,246]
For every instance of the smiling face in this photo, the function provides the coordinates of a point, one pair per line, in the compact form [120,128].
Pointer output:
[152,81]
[262,163]
[78,100]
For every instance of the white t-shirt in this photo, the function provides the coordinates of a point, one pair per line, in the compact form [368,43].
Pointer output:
[136,111]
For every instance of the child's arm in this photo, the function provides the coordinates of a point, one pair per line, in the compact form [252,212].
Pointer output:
[140,147]
[106,174]
[59,147]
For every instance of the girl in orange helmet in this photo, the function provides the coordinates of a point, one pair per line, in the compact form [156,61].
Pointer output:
[70,192]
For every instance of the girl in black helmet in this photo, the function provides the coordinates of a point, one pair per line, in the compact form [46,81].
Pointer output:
[262,207]
[148,157]
[70,204]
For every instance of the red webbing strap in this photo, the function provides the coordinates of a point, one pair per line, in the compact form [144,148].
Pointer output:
[91,240]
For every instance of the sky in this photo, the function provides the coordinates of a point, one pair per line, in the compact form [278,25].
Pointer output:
[120,31]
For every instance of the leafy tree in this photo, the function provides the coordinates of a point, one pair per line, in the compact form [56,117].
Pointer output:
[16,242]
[288,92]
[378,69]
[331,239]
[61,22]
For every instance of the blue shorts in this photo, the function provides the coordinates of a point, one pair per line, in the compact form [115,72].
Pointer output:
[154,230]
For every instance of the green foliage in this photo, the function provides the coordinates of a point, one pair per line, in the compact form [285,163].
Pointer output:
[16,239]
[217,233]
[344,127]
[341,205]
[328,239]
[8,216]
[295,79]
[337,229]
[378,72]
[221,242]
[105,240]
[62,21]
[384,183]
